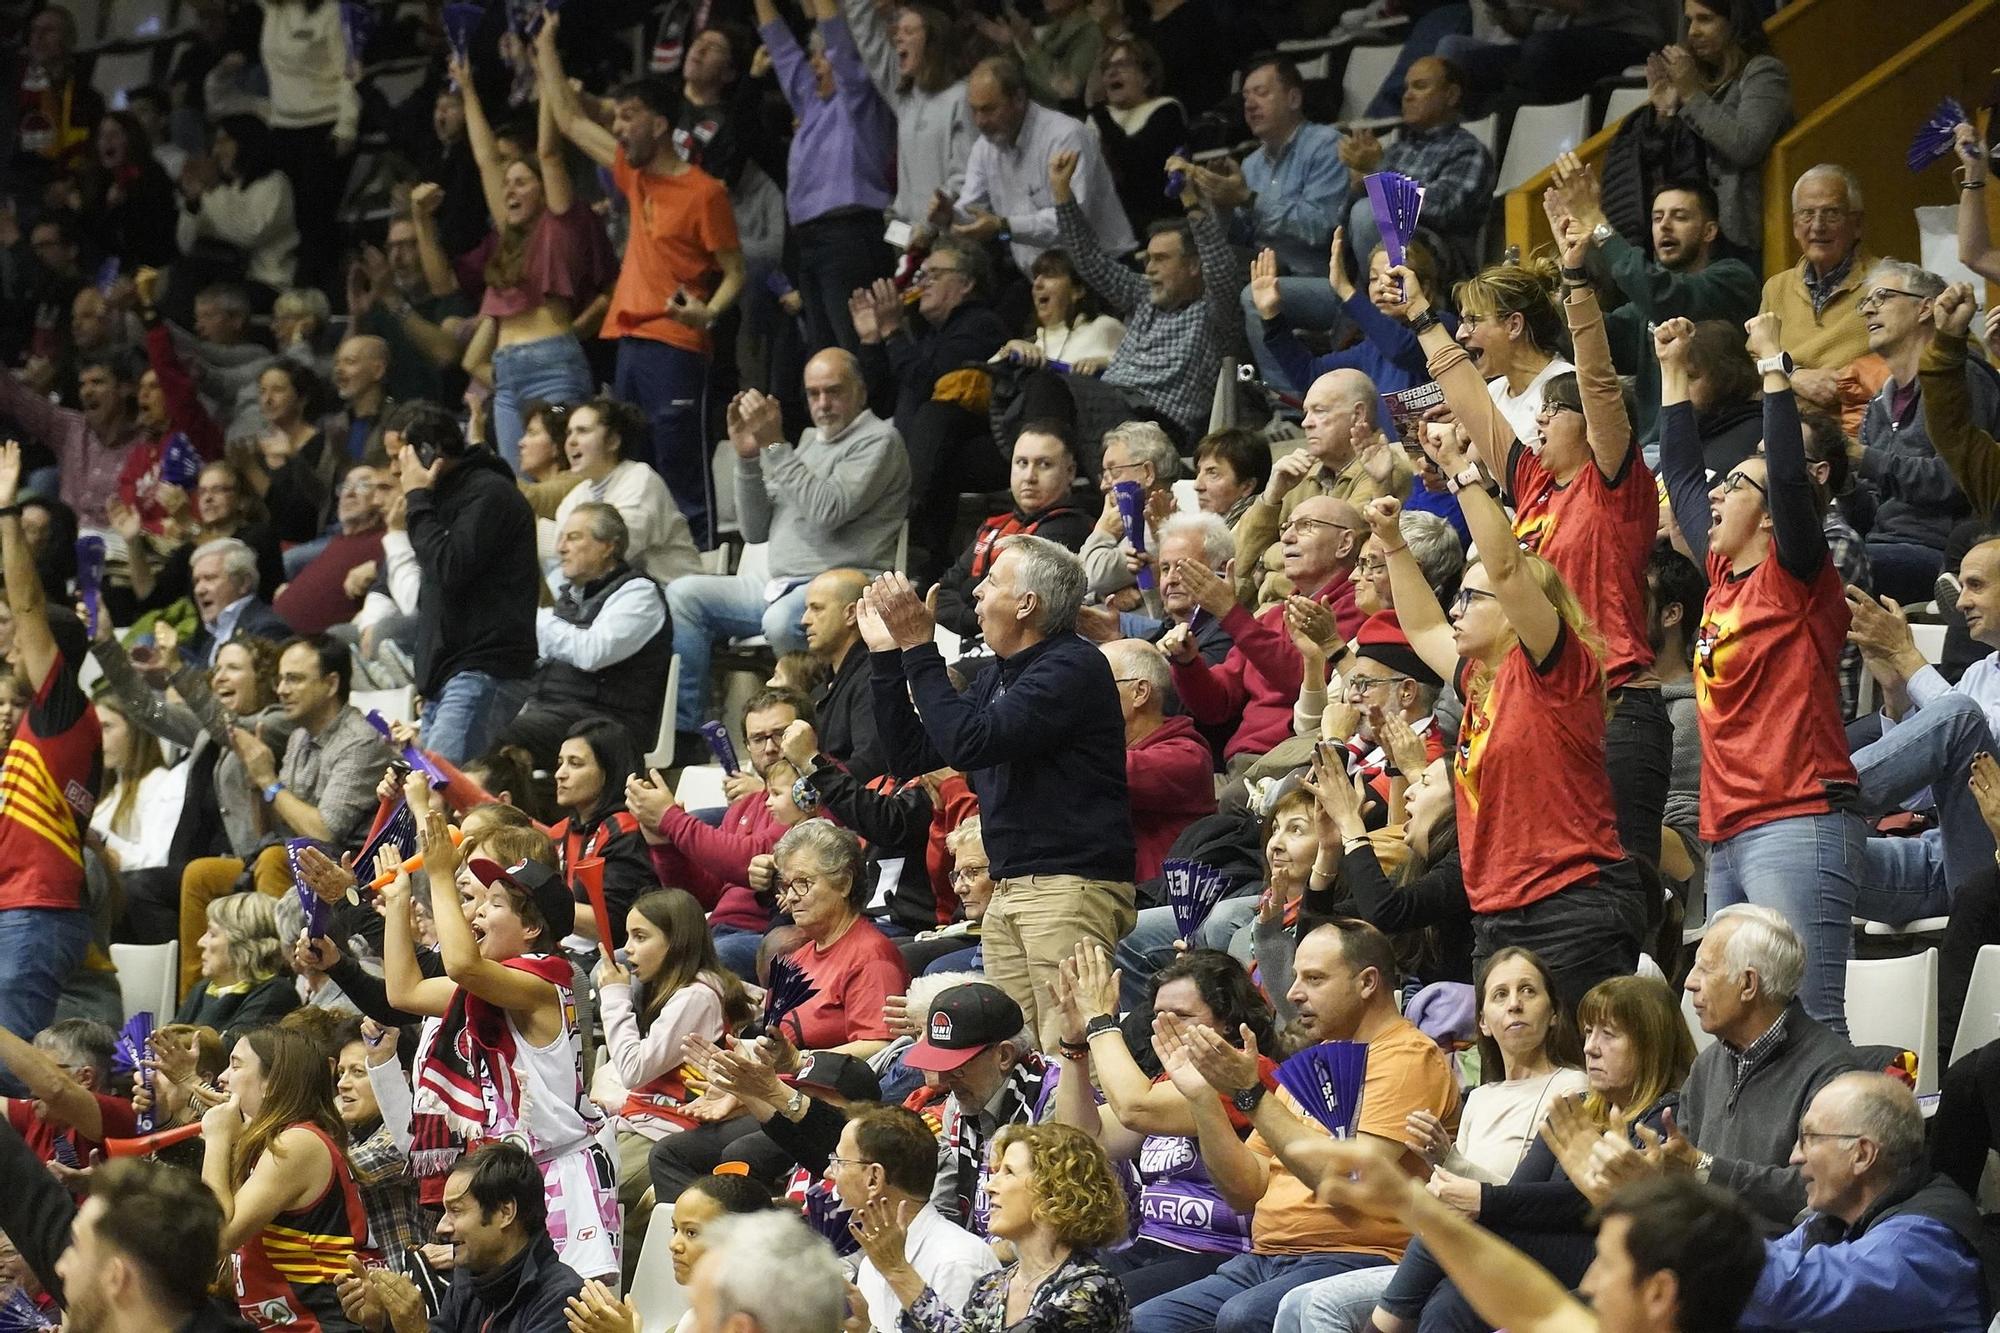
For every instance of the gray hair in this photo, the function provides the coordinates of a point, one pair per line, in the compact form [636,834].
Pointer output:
[1053,574]
[82,1042]
[1139,660]
[305,302]
[239,562]
[1848,181]
[1434,546]
[972,263]
[964,837]
[1884,1112]
[1765,943]
[1910,277]
[1218,547]
[606,525]
[1149,444]
[835,850]
[744,1250]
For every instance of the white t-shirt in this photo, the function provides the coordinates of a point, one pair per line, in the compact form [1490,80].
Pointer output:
[1521,409]
[1500,1120]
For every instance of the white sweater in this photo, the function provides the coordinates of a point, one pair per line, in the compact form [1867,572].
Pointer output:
[256,218]
[304,54]
[658,540]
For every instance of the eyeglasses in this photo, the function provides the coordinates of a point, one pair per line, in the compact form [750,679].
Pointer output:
[1870,302]
[1304,526]
[1467,596]
[1363,684]
[1736,481]
[967,874]
[1551,406]
[1372,568]
[766,737]
[1811,215]
[791,890]
[1114,469]
[1808,1135]
[833,1161]
[930,273]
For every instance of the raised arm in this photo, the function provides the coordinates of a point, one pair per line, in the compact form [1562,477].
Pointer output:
[1535,620]
[494,982]
[1121,288]
[1971,453]
[25,598]
[1681,463]
[557,192]
[870,29]
[1795,524]
[1605,425]
[1464,388]
[597,143]
[485,147]
[1975,243]
[1422,619]
[64,1103]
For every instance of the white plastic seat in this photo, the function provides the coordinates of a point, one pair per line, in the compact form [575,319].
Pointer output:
[1929,640]
[1702,1040]
[1979,1021]
[1185,500]
[148,978]
[660,1300]
[663,745]
[949,644]
[1367,66]
[1540,135]
[397,705]
[1894,1002]
[1484,129]
[700,787]
[1623,102]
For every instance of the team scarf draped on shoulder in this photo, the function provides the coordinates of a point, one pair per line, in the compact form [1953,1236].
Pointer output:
[467,1076]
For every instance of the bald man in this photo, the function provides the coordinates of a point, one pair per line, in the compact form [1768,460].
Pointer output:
[835,499]
[844,704]
[1341,440]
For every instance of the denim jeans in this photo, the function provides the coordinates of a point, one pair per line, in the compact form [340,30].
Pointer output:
[1912,877]
[670,385]
[39,948]
[1905,571]
[1305,301]
[1342,1304]
[736,949]
[1243,1295]
[1808,868]
[469,712]
[551,369]
[1639,755]
[707,607]
[1149,945]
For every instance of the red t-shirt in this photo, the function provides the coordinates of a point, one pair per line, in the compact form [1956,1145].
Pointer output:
[679,224]
[856,977]
[47,781]
[1767,691]
[1534,801]
[1599,535]
[316,600]
[41,1136]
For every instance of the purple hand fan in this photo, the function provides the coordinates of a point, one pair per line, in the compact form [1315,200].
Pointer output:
[20,1314]
[1132,508]
[90,577]
[1193,890]
[1326,1082]
[828,1216]
[399,830]
[1933,141]
[1059,367]
[357,21]
[180,463]
[315,907]
[790,987]
[461,21]
[127,1055]
[1396,200]
[719,745]
[1177,180]
[412,755]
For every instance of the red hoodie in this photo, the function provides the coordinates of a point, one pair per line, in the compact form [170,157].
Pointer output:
[139,479]
[714,863]
[1170,776]
[1257,684]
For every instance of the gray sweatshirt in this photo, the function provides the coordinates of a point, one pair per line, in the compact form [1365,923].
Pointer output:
[823,504]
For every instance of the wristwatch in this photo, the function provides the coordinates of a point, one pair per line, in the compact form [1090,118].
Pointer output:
[1467,476]
[1703,1166]
[1101,1023]
[1602,232]
[795,1109]
[271,790]
[1781,364]
[1246,1099]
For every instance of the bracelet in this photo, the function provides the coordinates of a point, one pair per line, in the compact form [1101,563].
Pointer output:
[10,511]
[1972,185]
[1391,550]
[1073,1050]
[1579,277]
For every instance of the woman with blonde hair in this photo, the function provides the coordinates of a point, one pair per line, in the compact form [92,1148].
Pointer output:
[1509,325]
[1537,828]
[243,982]
[1056,1199]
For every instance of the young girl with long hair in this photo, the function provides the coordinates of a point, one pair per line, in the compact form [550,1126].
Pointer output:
[275,1155]
[134,822]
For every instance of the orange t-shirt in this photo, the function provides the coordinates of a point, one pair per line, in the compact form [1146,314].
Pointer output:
[1406,1072]
[679,225]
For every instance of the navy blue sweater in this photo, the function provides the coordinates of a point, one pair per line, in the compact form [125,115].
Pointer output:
[1040,737]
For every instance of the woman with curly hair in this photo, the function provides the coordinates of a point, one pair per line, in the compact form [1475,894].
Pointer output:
[1056,1200]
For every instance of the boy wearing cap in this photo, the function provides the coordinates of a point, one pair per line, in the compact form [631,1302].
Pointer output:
[503,1060]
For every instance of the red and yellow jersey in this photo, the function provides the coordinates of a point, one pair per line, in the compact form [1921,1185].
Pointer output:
[285,1274]
[48,781]
[1767,691]
[1598,534]
[1535,814]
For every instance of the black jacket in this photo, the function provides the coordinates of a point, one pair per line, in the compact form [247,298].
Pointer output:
[845,709]
[527,1294]
[474,536]
[903,368]
[1060,522]
[1041,739]
[896,825]
[258,620]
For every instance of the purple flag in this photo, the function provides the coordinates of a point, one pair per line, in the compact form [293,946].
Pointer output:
[1132,508]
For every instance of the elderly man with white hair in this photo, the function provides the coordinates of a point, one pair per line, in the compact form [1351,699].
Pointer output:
[1743,1101]
[225,597]
[1814,299]
[1137,451]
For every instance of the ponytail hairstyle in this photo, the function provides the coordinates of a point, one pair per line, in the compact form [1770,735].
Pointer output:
[1527,289]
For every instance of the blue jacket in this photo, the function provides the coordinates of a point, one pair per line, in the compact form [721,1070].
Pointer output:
[1040,738]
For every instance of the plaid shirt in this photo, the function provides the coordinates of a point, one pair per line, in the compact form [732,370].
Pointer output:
[1457,172]
[1821,289]
[1745,1064]
[396,1223]
[336,771]
[1850,557]
[1169,358]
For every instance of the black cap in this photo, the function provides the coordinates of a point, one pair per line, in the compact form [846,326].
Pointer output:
[964,1021]
[544,888]
[844,1074]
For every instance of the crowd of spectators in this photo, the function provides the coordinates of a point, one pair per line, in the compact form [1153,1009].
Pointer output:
[394,496]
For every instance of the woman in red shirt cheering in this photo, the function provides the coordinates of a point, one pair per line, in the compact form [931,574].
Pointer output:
[1778,791]
[1538,838]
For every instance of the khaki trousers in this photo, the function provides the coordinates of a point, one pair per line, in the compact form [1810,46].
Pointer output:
[1036,921]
